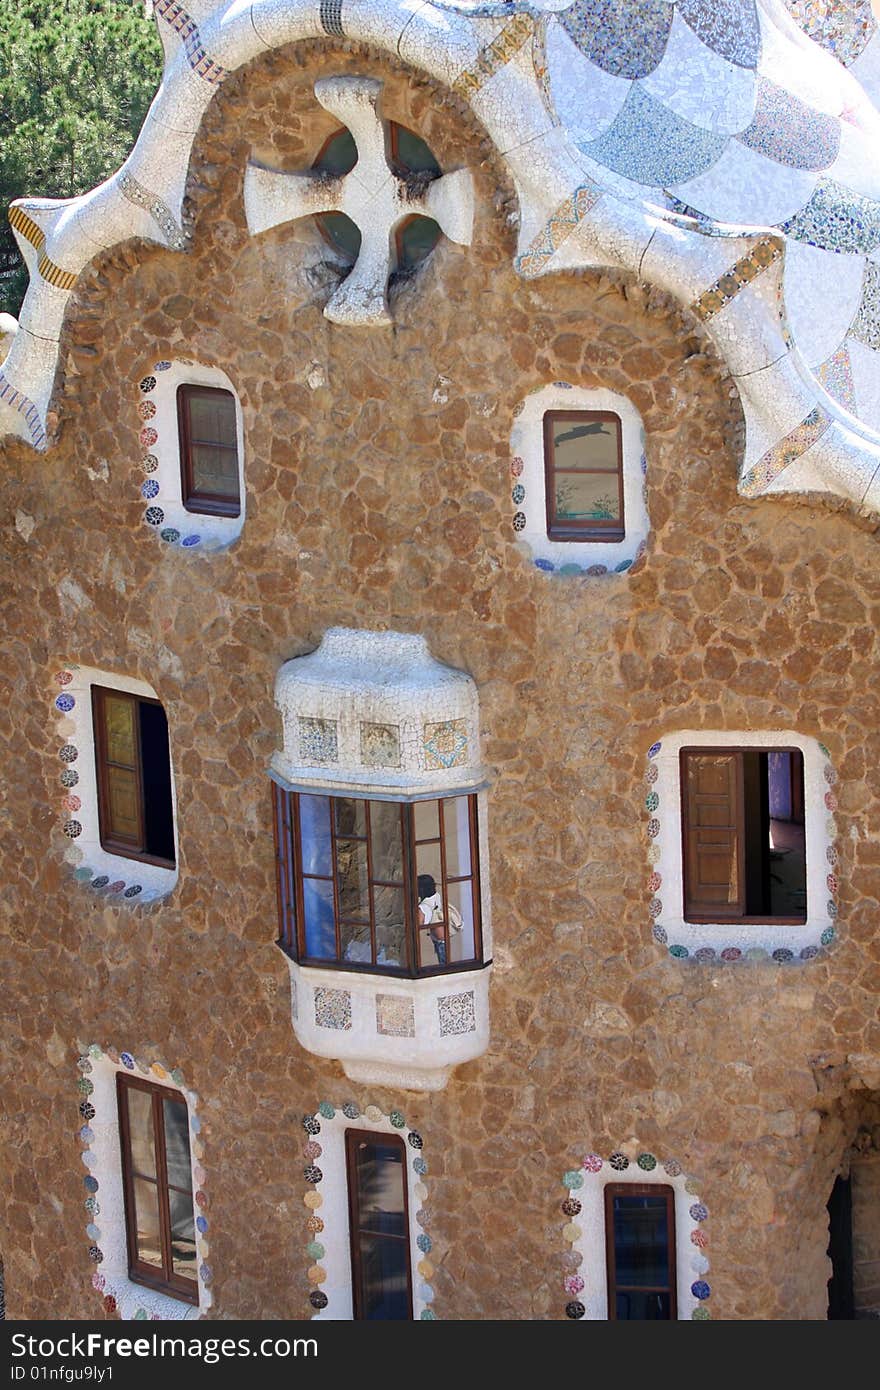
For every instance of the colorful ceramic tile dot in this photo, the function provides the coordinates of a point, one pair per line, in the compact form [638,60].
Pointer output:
[149,489]
[170,535]
[373,1114]
[698,1212]
[699,1238]
[672,1167]
[72,829]
[69,777]
[154,516]
[313,1200]
[315,1250]
[68,754]
[571,1207]
[654,750]
[95,1254]
[572,1180]
[311,1150]
[701,1314]
[312,1174]
[314,1225]
[731,953]
[311,1125]
[571,1232]
[647,1162]
[420,1166]
[592,1163]
[700,1289]
[415,1139]
[190,541]
[350,1110]
[680,952]
[574,1310]
[573,1283]
[326,1110]
[318,1299]
[619,1162]
[425,1243]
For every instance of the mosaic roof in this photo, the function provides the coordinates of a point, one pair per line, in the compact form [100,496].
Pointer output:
[726,150]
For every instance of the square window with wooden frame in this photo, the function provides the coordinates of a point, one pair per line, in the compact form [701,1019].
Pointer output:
[157,1187]
[583,473]
[209,464]
[743,834]
[640,1252]
[380,886]
[378,1226]
[133,764]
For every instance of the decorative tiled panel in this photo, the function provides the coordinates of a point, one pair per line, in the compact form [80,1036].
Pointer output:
[97,1128]
[765,252]
[317,741]
[395,1017]
[844,27]
[446,744]
[333,1008]
[380,745]
[326,1246]
[173,14]
[759,477]
[495,55]
[457,1013]
[866,328]
[537,255]
[584,1285]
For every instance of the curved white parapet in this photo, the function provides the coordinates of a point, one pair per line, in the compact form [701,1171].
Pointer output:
[391,1032]
[691,144]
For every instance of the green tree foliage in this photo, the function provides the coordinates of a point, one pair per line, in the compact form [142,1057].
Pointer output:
[76,80]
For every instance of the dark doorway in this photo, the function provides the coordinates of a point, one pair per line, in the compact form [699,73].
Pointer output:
[841,1303]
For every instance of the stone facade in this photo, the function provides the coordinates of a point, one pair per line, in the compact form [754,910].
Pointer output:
[377,468]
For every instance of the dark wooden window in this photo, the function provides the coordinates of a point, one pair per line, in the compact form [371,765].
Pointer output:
[208,432]
[157,1184]
[640,1252]
[743,835]
[134,776]
[583,471]
[379,1226]
[352,875]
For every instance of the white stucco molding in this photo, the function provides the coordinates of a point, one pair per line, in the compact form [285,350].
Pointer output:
[104,1200]
[128,880]
[731,941]
[511,64]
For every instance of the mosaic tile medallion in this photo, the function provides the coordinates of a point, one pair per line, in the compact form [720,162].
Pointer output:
[318,741]
[333,1008]
[446,744]
[395,1016]
[380,745]
[457,1013]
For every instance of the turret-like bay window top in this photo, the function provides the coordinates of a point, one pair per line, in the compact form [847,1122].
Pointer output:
[383,890]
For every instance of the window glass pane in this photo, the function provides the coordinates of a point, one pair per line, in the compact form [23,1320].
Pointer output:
[428,867]
[388,906]
[641,1240]
[426,820]
[318,913]
[417,238]
[412,152]
[586,443]
[140,1129]
[354,942]
[177,1144]
[214,471]
[183,1237]
[351,816]
[119,721]
[386,841]
[351,870]
[212,418]
[462,943]
[149,1238]
[586,497]
[384,1279]
[339,155]
[634,1306]
[314,827]
[156,782]
[380,1178]
[122,803]
[456,831]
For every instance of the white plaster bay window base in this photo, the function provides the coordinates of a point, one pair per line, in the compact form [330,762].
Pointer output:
[159,436]
[439,1022]
[105,1209]
[529,495]
[130,880]
[734,941]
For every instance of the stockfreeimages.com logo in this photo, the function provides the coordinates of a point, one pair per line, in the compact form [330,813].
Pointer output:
[96,1345]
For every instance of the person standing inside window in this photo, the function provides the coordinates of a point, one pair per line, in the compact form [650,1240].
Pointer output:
[431,914]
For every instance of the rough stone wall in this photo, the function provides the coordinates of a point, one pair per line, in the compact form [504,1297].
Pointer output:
[379,495]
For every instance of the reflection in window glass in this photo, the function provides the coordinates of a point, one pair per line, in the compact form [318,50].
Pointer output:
[379,1227]
[640,1233]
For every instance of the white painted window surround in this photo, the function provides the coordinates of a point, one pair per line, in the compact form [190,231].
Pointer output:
[331,1272]
[162,486]
[529,497]
[730,940]
[587,1233]
[129,880]
[105,1206]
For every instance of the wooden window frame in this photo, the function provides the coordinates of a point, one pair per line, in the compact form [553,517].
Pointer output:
[729,751]
[127,849]
[139,1272]
[641,1189]
[204,503]
[289,887]
[354,1137]
[611,531]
